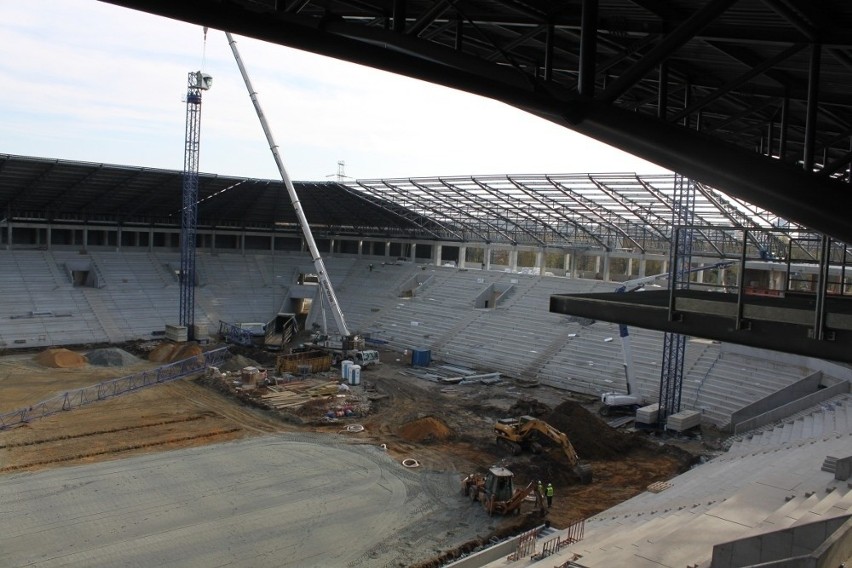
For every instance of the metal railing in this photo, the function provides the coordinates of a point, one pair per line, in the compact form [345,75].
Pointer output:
[112,388]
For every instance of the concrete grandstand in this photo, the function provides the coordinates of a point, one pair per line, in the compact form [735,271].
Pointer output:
[90,253]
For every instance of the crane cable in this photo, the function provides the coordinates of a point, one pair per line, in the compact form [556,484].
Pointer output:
[204,50]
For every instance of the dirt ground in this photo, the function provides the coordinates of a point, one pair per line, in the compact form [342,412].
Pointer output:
[444,427]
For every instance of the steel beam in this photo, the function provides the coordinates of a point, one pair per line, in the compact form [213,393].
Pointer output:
[588,48]
[777,323]
[813,106]
[685,32]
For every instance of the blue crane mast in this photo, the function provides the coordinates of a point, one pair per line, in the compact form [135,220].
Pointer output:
[196,83]
[674,344]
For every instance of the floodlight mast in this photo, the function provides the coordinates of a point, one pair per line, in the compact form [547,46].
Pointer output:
[322,274]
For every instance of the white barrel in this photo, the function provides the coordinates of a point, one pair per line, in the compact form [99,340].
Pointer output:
[355,375]
[344,369]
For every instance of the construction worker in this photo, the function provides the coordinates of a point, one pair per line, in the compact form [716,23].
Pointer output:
[540,488]
[549,493]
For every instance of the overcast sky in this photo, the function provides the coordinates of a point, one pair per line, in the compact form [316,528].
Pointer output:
[84,80]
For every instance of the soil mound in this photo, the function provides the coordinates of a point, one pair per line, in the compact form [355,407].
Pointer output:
[60,359]
[186,351]
[111,357]
[170,352]
[528,407]
[427,429]
[162,353]
[590,436]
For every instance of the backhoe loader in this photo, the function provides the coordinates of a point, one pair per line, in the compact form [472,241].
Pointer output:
[496,491]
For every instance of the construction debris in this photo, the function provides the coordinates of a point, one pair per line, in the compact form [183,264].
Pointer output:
[453,375]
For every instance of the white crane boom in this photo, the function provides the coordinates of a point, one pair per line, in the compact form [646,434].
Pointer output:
[324,281]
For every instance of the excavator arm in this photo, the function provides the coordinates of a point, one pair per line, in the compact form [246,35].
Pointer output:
[529,425]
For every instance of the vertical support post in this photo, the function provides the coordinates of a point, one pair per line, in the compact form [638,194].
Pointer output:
[770,137]
[849,167]
[399,16]
[588,48]
[548,52]
[818,332]
[789,265]
[663,91]
[782,130]
[813,104]
[459,43]
[741,282]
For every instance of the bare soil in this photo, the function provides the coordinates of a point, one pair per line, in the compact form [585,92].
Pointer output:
[444,428]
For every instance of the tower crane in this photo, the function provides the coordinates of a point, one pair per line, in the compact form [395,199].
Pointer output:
[197,82]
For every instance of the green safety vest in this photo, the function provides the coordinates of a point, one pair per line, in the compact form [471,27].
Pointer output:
[550,491]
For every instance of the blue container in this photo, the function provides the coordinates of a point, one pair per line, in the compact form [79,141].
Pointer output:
[421,357]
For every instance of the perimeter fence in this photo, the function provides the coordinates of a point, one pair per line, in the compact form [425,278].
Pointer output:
[114,387]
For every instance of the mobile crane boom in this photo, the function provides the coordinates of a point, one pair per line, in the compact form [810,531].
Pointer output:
[319,265]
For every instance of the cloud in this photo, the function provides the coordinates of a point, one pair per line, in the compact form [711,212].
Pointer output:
[104,84]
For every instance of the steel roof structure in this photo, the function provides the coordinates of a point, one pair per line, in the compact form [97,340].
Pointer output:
[604,212]
[586,211]
[748,96]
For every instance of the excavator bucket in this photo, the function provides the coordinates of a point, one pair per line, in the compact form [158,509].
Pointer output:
[584,472]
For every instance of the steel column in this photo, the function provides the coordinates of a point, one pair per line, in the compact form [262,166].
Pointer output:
[782,130]
[818,331]
[548,52]
[399,16]
[813,105]
[588,48]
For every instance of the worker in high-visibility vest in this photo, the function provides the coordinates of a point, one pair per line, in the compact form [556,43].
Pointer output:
[540,489]
[549,494]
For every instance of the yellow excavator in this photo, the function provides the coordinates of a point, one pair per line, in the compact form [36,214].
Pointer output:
[518,434]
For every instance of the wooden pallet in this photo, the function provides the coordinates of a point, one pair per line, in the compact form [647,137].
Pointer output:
[659,486]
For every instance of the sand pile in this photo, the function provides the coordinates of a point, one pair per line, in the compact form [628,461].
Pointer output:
[427,429]
[60,359]
[170,352]
[111,357]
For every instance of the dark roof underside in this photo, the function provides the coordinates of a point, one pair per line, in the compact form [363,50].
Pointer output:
[56,190]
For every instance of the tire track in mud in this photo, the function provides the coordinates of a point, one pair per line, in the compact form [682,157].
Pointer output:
[67,437]
[119,450]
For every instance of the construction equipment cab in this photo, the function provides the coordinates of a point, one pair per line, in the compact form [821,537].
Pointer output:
[518,434]
[366,357]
